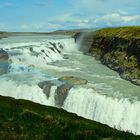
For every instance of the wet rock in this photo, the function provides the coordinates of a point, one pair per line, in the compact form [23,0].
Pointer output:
[73,80]
[42,84]
[65,56]
[52,49]
[3,55]
[61,94]
[57,49]
[53,44]
[77,36]
[43,51]
[63,84]
[31,49]
[4,63]
[60,45]
[46,86]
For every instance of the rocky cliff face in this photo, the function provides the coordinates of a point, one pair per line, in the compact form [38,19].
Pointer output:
[119,49]
[4,62]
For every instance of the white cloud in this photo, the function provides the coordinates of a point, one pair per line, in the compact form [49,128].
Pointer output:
[2,27]
[71,20]
[43,4]
[107,12]
[54,26]
[41,26]
[9,5]
[117,18]
[75,21]
[25,26]
[103,6]
[128,18]
[67,17]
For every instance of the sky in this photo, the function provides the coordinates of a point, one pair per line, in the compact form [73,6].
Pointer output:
[51,15]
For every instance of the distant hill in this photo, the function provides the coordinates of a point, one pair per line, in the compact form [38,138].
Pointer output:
[6,34]
[57,32]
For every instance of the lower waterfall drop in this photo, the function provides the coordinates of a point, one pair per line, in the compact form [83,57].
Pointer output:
[117,113]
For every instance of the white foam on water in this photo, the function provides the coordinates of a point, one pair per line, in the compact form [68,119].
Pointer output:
[51,99]
[38,54]
[70,45]
[39,57]
[22,91]
[119,113]
[29,63]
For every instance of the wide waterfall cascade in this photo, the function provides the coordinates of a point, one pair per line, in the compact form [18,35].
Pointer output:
[121,114]
[106,98]
[118,113]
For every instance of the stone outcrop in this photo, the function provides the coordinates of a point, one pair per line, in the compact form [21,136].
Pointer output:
[46,87]
[73,80]
[119,49]
[61,93]
[63,84]
[4,62]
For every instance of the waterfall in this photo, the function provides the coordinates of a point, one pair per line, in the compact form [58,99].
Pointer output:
[22,91]
[24,55]
[29,60]
[118,113]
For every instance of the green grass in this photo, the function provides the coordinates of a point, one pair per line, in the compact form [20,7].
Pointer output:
[21,119]
[120,32]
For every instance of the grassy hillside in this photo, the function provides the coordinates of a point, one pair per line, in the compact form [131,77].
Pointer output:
[21,119]
[119,49]
[122,32]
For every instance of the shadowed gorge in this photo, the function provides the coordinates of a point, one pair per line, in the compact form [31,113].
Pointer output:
[117,48]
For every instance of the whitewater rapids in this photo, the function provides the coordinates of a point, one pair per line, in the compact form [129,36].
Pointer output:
[106,98]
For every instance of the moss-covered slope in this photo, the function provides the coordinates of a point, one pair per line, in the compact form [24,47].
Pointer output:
[119,49]
[20,119]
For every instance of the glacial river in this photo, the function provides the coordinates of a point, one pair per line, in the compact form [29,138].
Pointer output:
[106,98]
